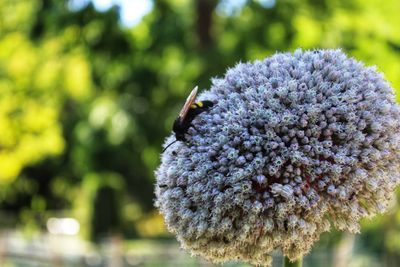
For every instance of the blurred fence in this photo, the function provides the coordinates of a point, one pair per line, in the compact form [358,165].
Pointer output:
[49,250]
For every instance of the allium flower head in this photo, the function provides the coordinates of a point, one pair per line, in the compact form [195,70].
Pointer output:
[293,143]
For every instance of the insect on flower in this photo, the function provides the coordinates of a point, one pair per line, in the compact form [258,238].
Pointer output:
[188,112]
[266,170]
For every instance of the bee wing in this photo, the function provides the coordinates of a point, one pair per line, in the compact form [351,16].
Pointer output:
[189,101]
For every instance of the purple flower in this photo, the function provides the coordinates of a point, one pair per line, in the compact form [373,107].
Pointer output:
[294,143]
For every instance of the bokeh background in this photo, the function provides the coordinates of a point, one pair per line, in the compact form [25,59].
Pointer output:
[90,89]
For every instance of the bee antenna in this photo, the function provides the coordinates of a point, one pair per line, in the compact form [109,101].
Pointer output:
[168,146]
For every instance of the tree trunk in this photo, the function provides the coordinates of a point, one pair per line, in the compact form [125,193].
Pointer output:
[204,10]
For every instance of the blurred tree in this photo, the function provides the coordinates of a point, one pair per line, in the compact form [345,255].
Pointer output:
[106,216]
[82,96]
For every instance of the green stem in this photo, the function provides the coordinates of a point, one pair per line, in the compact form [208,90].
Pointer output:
[287,263]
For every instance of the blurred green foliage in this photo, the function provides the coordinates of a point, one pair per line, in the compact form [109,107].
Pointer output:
[85,102]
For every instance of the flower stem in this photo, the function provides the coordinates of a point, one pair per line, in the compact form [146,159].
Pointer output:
[287,263]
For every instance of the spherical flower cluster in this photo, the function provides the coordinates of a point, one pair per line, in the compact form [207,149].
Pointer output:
[293,144]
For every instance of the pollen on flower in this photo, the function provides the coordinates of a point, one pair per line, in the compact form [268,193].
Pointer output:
[294,143]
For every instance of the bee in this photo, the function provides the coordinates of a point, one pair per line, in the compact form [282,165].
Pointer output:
[188,112]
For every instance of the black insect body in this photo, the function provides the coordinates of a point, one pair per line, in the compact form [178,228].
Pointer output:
[189,111]
[181,126]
